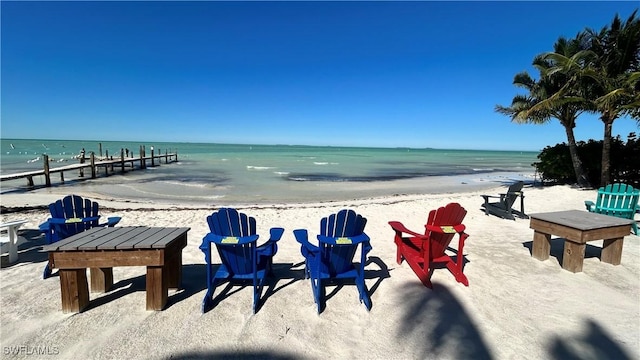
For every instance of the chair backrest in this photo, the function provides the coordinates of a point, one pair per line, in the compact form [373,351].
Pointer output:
[513,192]
[69,208]
[618,200]
[338,258]
[238,257]
[449,215]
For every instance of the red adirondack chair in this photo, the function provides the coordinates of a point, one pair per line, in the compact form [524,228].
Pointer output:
[422,251]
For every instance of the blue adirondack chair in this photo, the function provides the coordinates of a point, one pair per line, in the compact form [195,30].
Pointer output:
[333,258]
[234,236]
[619,200]
[69,216]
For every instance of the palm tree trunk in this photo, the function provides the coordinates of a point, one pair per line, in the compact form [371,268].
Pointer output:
[605,175]
[581,175]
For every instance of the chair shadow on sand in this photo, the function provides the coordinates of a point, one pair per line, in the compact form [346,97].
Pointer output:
[557,249]
[337,285]
[282,272]
[285,274]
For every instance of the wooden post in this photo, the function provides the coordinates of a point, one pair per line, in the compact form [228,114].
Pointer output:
[82,162]
[92,159]
[166,156]
[47,177]
[142,163]
[100,149]
[30,180]
[152,158]
[122,159]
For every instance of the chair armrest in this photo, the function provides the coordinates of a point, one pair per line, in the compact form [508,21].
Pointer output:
[301,235]
[590,205]
[271,247]
[307,248]
[490,196]
[112,221]
[275,234]
[400,228]
[450,229]
[45,226]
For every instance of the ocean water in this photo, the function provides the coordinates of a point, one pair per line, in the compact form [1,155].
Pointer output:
[223,173]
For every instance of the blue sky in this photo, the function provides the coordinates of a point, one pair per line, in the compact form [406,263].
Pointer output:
[387,74]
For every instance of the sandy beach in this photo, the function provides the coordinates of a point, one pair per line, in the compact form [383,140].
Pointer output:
[515,307]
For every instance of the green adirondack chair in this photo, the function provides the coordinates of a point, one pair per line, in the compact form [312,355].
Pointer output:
[619,200]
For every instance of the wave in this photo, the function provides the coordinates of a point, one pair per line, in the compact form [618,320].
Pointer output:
[185,184]
[251,167]
[385,175]
[483,170]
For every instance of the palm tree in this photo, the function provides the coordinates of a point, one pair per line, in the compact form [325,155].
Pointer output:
[542,102]
[606,75]
[616,75]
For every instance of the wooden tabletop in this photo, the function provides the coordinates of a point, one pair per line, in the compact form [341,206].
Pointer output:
[119,238]
[581,220]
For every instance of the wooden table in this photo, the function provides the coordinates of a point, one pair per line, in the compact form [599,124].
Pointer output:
[12,230]
[102,248]
[578,227]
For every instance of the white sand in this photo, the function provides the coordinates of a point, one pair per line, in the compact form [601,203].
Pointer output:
[516,307]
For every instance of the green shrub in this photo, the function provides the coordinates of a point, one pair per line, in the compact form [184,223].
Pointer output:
[555,162]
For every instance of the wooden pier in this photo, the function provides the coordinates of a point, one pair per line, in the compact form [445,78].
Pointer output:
[95,165]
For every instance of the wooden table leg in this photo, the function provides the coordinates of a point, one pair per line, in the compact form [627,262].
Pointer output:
[612,251]
[157,287]
[74,289]
[174,269]
[573,256]
[101,279]
[541,245]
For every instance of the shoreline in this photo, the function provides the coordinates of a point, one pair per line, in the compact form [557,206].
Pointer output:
[41,197]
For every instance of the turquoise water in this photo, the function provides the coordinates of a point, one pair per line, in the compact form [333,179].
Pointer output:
[218,173]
